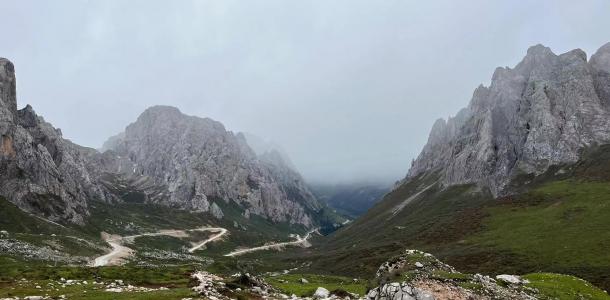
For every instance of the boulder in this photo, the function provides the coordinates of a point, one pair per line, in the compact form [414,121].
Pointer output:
[512,279]
[321,293]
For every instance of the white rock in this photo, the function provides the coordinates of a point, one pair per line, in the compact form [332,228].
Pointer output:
[419,265]
[423,295]
[321,293]
[513,279]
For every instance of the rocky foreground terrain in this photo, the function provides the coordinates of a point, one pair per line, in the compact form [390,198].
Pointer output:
[413,275]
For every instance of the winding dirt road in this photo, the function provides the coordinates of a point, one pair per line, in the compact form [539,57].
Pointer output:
[115,257]
[222,232]
[120,252]
[299,241]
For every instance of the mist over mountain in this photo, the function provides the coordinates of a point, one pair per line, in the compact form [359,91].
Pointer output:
[351,199]
[346,96]
[305,150]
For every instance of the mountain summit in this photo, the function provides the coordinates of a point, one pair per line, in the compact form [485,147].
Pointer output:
[539,114]
[195,163]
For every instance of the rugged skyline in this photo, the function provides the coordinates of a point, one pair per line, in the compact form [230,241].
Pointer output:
[349,91]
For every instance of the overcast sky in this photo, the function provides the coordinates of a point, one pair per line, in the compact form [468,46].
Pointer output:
[349,88]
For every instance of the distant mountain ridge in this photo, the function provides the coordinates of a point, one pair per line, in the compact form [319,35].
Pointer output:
[196,162]
[539,114]
[164,157]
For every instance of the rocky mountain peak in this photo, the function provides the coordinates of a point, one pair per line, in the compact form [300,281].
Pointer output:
[198,164]
[8,93]
[539,50]
[603,50]
[538,114]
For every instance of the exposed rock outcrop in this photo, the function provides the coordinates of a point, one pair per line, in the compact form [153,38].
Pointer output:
[541,113]
[196,162]
[416,275]
[41,172]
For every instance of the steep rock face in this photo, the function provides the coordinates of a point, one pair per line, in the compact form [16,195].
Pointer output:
[41,172]
[541,113]
[198,162]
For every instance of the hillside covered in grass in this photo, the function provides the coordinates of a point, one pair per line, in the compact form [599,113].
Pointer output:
[557,222]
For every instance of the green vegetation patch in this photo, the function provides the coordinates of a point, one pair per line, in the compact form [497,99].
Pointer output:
[291,284]
[12,269]
[86,291]
[562,225]
[160,242]
[557,286]
[568,225]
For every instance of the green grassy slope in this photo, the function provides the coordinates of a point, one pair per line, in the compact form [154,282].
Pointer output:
[557,222]
[291,284]
[133,218]
[557,286]
[39,232]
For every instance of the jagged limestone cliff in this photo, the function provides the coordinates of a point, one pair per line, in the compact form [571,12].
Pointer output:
[41,172]
[543,112]
[197,162]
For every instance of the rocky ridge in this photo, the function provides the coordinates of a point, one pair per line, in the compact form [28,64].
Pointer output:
[416,275]
[541,113]
[195,163]
[40,171]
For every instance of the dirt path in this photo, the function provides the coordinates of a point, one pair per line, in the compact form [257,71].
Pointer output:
[115,257]
[299,241]
[402,205]
[120,252]
[222,232]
